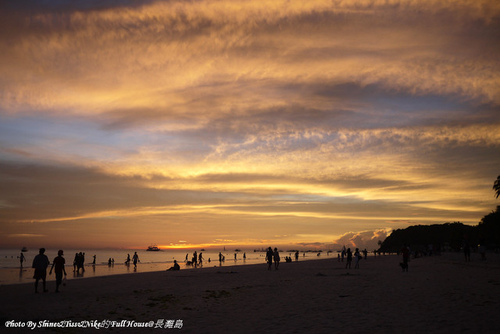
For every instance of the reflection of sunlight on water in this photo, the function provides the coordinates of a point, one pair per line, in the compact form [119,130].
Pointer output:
[149,261]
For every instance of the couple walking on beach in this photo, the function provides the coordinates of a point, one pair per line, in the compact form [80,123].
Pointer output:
[40,264]
[79,262]
[270,256]
[349,255]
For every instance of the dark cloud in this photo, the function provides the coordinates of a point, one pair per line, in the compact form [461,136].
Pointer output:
[51,6]
[45,192]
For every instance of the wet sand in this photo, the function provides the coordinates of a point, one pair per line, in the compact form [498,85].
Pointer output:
[440,294]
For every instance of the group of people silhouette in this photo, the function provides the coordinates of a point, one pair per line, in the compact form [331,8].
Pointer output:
[41,262]
[196,259]
[349,256]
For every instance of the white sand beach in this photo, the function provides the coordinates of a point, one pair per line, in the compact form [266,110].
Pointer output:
[440,294]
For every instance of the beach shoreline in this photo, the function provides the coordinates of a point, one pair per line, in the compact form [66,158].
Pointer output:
[24,275]
[438,294]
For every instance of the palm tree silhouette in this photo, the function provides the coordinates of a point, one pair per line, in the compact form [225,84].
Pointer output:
[496,186]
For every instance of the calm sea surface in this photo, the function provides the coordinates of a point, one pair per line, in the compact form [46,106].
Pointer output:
[11,271]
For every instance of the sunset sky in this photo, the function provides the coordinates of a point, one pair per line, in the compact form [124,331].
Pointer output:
[250,123]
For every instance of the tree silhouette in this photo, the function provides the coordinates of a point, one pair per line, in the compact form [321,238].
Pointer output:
[496,186]
[418,237]
[489,229]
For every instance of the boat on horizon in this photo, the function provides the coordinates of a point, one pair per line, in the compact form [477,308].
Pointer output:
[24,249]
[153,248]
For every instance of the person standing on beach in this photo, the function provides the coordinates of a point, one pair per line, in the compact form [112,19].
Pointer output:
[406,257]
[22,259]
[466,247]
[276,256]
[269,258]
[136,259]
[58,266]
[357,257]
[75,262]
[195,259]
[482,250]
[349,258]
[40,263]
[81,262]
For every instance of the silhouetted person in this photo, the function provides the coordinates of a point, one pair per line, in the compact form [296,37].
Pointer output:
[127,261]
[22,259]
[296,255]
[82,261]
[357,257]
[200,259]
[40,263]
[135,258]
[276,256]
[58,267]
[175,266]
[75,262]
[93,262]
[365,253]
[466,246]
[349,258]
[406,257]
[269,258]
[482,250]
[195,259]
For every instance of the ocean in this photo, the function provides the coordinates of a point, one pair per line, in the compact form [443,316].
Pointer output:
[11,271]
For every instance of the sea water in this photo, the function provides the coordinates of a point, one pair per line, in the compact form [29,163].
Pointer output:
[11,271]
